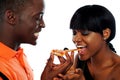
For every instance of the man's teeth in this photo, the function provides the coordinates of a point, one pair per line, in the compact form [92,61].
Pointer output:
[36,34]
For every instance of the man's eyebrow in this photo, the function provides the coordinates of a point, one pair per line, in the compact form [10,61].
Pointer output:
[41,13]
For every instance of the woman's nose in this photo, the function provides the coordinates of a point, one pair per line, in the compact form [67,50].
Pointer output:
[77,38]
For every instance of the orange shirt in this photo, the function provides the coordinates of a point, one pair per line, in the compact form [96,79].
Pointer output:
[13,64]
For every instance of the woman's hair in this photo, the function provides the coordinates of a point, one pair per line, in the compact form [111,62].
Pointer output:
[94,18]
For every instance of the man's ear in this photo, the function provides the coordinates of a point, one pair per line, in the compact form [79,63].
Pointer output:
[106,33]
[10,17]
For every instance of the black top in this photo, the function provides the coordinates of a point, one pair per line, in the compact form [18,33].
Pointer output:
[84,67]
[3,76]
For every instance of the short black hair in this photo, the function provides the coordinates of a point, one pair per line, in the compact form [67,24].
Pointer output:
[94,18]
[14,5]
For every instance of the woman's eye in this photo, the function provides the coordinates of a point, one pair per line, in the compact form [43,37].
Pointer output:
[85,33]
[74,32]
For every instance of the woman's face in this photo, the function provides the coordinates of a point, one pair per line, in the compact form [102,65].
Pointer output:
[89,42]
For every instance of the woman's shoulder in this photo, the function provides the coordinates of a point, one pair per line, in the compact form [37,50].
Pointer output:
[116,60]
[115,72]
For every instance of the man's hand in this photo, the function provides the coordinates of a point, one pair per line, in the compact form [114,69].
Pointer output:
[52,70]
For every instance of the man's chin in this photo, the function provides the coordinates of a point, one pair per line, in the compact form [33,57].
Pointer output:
[33,43]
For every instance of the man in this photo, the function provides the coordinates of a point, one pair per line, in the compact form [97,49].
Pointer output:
[20,22]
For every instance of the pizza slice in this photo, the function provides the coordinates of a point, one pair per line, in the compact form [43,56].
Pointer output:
[62,52]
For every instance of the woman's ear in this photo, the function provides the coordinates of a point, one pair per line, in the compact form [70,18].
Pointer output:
[106,33]
[10,17]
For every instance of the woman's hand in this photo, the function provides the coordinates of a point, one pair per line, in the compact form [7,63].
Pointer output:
[52,70]
[76,74]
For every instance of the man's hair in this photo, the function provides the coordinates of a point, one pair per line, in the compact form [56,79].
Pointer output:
[14,5]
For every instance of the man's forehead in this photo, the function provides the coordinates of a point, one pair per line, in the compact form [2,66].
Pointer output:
[39,3]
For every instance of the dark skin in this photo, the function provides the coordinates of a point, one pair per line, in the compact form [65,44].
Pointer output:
[52,71]
[25,21]
[103,63]
[23,27]
[19,27]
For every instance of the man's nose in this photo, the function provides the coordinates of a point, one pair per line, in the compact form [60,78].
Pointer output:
[42,24]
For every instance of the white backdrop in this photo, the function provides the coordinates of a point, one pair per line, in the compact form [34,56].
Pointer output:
[57,34]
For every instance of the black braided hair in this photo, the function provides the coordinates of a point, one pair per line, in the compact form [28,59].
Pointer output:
[111,47]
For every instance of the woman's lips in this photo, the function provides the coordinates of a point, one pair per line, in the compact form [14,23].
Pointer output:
[82,49]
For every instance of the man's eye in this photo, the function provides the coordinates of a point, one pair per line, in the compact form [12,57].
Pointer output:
[40,16]
[37,18]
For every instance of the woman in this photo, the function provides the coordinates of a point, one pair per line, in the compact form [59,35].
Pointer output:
[93,28]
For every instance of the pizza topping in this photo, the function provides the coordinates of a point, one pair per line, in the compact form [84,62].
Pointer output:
[62,52]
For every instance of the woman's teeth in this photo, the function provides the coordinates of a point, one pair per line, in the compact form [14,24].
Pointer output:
[79,47]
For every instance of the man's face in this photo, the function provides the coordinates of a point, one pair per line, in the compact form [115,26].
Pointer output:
[30,23]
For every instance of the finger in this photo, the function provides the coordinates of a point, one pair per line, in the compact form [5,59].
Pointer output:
[63,77]
[72,56]
[78,71]
[56,78]
[61,59]
[69,76]
[72,53]
[63,67]
[66,65]
[50,61]
[69,59]
[60,75]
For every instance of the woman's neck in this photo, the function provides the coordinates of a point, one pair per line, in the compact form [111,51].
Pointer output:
[102,60]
